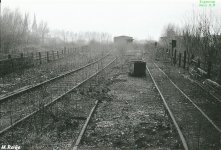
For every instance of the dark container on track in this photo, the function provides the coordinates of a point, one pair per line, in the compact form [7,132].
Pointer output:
[137,68]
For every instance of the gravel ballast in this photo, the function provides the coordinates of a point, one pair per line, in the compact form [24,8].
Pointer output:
[132,117]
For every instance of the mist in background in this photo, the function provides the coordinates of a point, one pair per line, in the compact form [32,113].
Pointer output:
[141,19]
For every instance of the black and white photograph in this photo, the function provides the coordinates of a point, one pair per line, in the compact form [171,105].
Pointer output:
[110,74]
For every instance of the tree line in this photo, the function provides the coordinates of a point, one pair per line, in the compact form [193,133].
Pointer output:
[20,32]
[200,36]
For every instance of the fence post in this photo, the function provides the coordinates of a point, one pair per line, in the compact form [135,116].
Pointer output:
[188,60]
[180,59]
[48,57]
[53,55]
[58,54]
[10,64]
[39,57]
[9,56]
[21,64]
[192,57]
[174,61]
[64,50]
[172,51]
[184,60]
[32,55]
[32,59]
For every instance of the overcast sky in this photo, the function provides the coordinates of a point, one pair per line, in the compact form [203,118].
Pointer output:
[137,18]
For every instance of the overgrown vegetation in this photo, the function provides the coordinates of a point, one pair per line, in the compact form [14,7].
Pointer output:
[24,33]
[200,37]
[17,31]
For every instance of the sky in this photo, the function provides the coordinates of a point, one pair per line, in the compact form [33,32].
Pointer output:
[141,19]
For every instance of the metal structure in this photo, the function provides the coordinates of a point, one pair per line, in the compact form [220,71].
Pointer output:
[137,68]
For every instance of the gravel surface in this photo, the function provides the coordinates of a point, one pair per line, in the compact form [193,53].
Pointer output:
[202,98]
[199,133]
[132,117]
[21,106]
[25,78]
[56,127]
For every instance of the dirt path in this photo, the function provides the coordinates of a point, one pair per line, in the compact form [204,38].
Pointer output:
[132,117]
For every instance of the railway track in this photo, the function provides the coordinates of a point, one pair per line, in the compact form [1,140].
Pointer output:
[94,134]
[20,106]
[212,92]
[14,82]
[77,141]
[193,117]
[195,128]
[207,103]
[19,92]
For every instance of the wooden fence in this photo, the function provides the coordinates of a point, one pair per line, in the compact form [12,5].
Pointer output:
[25,60]
[182,60]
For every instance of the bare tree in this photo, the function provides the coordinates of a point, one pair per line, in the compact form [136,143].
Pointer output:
[201,37]
[43,30]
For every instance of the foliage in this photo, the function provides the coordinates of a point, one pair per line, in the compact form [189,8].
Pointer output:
[17,32]
[201,37]
[21,32]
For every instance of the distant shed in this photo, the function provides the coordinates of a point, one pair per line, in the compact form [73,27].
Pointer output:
[123,39]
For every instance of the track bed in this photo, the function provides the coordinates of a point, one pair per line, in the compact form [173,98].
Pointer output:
[133,117]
